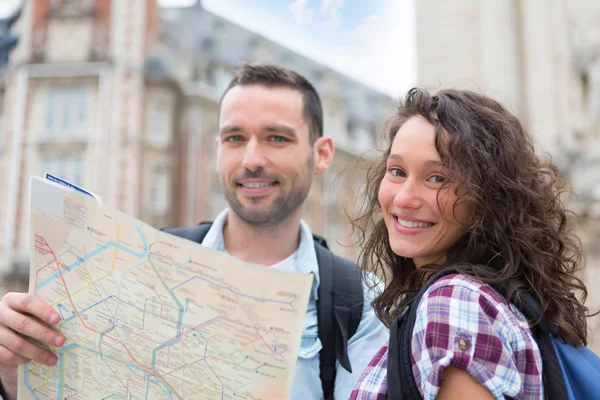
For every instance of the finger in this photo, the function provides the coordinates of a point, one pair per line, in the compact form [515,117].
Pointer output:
[7,357]
[22,349]
[31,304]
[30,326]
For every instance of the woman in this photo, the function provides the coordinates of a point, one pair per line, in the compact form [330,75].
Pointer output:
[460,184]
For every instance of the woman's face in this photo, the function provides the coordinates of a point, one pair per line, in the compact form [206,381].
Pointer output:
[408,195]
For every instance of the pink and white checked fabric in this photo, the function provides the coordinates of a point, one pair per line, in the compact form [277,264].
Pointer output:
[465,324]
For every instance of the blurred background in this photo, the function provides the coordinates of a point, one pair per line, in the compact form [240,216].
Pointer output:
[121,96]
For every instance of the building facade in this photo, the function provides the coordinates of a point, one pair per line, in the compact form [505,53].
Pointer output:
[121,97]
[542,60]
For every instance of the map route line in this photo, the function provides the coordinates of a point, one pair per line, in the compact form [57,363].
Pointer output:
[100,302]
[49,263]
[179,319]
[106,268]
[83,323]
[212,370]
[234,291]
[77,313]
[120,341]
[118,381]
[120,284]
[80,370]
[256,338]
[153,368]
[262,338]
[95,252]
[66,349]
[201,383]
[158,383]
[92,283]
[149,316]
[155,373]
[74,346]
[112,265]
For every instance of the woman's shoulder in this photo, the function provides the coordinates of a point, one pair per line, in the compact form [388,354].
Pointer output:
[464,303]
[461,290]
[464,283]
[464,323]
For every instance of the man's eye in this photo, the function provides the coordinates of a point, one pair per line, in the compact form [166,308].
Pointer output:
[278,139]
[234,138]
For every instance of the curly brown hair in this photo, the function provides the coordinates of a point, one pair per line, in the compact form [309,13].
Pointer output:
[519,232]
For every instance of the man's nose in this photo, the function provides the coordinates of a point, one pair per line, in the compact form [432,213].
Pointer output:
[254,157]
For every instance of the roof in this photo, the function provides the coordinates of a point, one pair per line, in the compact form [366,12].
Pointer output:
[220,42]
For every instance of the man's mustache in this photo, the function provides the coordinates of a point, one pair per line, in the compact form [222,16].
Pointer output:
[257,174]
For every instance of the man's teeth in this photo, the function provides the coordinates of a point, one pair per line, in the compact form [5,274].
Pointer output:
[256,185]
[413,224]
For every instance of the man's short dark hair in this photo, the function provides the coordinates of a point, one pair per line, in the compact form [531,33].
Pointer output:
[271,75]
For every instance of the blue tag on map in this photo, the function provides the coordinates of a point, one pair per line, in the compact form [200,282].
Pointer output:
[63,182]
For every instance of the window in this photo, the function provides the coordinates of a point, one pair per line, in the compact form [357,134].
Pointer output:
[66,112]
[160,193]
[68,167]
[159,125]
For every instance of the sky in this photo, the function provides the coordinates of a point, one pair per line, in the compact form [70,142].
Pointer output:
[371,41]
[7,6]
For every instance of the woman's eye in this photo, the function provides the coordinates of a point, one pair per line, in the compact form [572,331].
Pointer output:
[437,179]
[397,172]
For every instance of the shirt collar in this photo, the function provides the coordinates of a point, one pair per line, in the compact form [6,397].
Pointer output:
[305,260]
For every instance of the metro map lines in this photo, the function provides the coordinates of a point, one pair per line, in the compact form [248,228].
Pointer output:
[147,318]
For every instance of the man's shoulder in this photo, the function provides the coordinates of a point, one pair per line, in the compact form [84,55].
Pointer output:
[194,233]
[321,241]
[178,229]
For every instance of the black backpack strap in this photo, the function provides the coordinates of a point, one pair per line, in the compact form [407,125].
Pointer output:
[195,233]
[401,381]
[339,311]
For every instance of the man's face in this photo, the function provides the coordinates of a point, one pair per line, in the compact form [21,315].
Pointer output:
[264,156]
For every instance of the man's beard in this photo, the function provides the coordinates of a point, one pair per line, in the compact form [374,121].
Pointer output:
[280,208]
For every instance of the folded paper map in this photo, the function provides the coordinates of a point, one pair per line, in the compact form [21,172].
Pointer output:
[151,316]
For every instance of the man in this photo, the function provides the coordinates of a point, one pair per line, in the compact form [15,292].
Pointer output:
[270,145]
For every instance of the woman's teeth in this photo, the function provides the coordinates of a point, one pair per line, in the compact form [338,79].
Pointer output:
[413,224]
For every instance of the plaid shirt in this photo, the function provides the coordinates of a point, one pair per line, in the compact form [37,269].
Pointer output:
[464,324]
